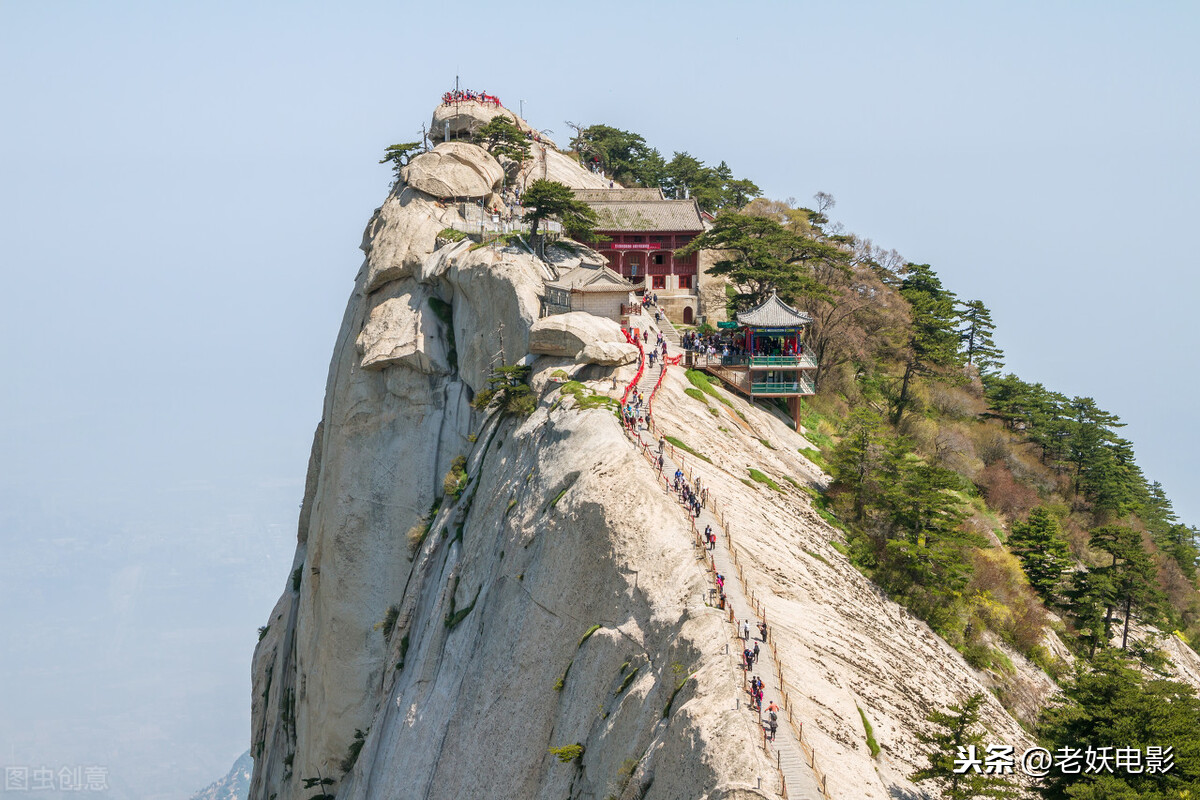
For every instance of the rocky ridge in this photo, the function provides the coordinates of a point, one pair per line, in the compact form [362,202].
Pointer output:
[438,637]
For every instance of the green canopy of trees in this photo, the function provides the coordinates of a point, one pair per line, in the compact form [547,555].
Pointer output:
[632,162]
[1112,705]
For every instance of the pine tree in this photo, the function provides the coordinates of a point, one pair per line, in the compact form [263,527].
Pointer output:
[933,344]
[1086,600]
[398,155]
[550,198]
[976,337]
[1042,550]
[956,732]
[501,137]
[1114,705]
[1131,575]
[857,459]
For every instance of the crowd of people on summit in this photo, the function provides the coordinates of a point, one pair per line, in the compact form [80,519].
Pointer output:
[464,95]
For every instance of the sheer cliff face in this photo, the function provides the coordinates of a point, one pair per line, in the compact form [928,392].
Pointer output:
[557,599]
[446,648]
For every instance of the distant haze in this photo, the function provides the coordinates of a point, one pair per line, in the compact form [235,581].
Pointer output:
[183,188]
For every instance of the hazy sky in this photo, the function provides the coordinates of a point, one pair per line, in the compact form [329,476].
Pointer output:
[183,188]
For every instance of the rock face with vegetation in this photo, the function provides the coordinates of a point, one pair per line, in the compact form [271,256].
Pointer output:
[474,587]
[492,595]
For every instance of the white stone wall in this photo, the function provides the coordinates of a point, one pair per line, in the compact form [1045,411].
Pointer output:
[602,304]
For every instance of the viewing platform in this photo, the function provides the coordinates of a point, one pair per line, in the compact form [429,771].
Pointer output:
[769,359]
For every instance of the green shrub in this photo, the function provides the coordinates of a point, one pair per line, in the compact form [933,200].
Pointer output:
[356,746]
[696,394]
[628,680]
[585,398]
[403,651]
[454,617]
[561,682]
[456,479]
[263,631]
[817,556]
[568,752]
[767,444]
[389,621]
[815,456]
[452,234]
[296,576]
[588,634]
[671,700]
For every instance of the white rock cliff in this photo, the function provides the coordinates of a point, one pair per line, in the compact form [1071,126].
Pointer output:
[452,642]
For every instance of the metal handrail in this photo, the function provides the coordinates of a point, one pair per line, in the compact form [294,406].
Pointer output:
[781,386]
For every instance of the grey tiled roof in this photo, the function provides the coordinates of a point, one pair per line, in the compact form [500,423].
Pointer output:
[592,279]
[648,215]
[773,313]
[622,194]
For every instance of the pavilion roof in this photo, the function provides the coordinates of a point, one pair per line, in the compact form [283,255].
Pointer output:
[592,278]
[773,313]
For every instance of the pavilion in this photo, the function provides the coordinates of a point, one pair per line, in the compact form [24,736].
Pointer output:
[771,360]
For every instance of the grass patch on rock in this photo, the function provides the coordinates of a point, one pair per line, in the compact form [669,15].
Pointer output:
[763,478]
[702,382]
[872,745]
[681,445]
[586,398]
[815,457]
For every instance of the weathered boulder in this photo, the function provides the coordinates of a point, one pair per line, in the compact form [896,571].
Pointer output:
[608,354]
[402,234]
[566,258]
[454,169]
[547,162]
[403,328]
[567,335]
[464,118]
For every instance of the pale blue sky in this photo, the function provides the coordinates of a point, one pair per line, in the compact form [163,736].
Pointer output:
[183,188]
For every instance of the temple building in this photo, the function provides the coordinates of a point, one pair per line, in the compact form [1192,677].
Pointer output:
[593,288]
[641,231]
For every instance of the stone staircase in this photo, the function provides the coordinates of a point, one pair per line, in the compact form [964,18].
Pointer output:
[797,777]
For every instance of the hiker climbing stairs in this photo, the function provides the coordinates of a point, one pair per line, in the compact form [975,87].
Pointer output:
[798,776]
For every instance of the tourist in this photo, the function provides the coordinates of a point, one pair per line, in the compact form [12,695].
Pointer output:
[746,630]
[772,726]
[756,651]
[762,630]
